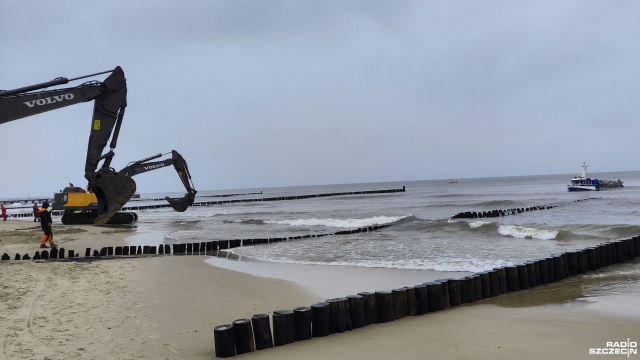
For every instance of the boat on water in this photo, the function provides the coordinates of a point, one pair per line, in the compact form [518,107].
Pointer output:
[584,183]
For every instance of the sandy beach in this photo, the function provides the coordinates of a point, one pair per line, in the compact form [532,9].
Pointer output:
[166,307]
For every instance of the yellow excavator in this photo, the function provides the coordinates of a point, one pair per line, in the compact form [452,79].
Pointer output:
[108,190]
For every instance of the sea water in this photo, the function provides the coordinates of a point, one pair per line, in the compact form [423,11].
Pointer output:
[422,234]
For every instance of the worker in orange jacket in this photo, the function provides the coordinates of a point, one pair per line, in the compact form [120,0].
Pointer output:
[45,223]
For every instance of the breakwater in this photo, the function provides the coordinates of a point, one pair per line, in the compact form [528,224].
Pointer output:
[196,248]
[506,212]
[274,198]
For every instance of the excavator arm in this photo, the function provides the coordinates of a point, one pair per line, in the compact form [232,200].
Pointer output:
[179,164]
[112,189]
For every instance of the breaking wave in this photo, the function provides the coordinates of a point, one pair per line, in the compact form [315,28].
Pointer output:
[328,222]
[521,232]
[245,221]
[340,223]
[479,224]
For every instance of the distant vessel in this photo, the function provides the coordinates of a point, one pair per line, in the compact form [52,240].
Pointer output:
[584,183]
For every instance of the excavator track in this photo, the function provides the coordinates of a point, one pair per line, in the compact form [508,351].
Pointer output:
[88,218]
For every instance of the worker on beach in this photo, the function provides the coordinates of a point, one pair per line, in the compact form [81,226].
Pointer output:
[36,212]
[45,223]
[4,213]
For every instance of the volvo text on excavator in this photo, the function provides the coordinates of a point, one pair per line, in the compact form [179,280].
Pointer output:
[109,190]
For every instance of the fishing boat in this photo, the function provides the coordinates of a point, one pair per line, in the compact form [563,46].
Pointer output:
[584,183]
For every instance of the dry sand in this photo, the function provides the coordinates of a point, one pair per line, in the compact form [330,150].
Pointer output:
[166,308]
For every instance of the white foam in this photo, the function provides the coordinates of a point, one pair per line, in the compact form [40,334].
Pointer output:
[479,223]
[340,223]
[440,264]
[191,213]
[521,232]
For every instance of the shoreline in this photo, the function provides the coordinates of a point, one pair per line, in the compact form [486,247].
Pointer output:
[166,308]
[331,281]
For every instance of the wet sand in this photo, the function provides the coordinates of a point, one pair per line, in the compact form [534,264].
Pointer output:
[332,281]
[165,307]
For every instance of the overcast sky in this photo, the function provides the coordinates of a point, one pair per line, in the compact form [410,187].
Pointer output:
[257,93]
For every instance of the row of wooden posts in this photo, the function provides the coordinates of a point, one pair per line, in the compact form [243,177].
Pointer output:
[200,196]
[498,213]
[273,198]
[354,311]
[223,202]
[198,248]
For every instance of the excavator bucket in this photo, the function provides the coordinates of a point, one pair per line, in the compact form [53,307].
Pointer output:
[181,204]
[113,191]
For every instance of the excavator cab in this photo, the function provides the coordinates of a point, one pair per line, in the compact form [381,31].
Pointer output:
[74,197]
